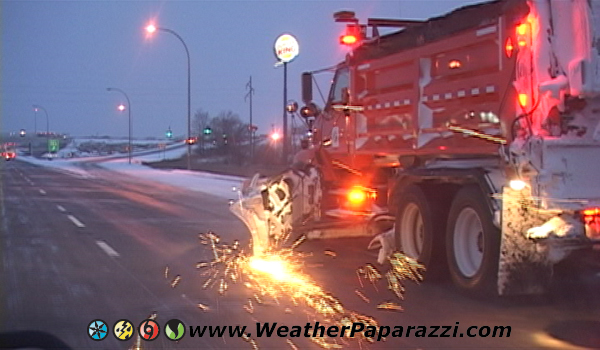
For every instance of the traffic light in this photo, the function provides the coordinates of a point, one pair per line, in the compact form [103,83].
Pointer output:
[207,131]
[169,133]
[225,139]
[352,36]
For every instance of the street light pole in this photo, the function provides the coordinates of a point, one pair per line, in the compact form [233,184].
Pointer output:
[286,49]
[35,108]
[129,113]
[34,122]
[249,95]
[286,135]
[152,29]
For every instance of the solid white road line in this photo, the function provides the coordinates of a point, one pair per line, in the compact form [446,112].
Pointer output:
[75,221]
[60,207]
[107,249]
[42,191]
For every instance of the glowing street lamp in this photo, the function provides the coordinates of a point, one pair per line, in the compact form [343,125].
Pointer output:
[151,29]
[38,107]
[275,136]
[121,108]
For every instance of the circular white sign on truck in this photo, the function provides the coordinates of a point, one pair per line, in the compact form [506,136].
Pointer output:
[286,48]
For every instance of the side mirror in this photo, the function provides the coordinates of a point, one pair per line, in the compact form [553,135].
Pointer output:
[311,110]
[307,87]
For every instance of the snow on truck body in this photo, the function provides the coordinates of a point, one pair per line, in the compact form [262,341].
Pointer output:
[443,116]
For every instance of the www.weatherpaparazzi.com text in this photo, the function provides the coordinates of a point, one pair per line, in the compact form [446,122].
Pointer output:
[349,331]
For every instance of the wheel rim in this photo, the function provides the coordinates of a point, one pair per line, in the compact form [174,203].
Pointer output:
[468,242]
[412,231]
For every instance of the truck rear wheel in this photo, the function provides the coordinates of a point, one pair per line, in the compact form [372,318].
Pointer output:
[473,242]
[415,225]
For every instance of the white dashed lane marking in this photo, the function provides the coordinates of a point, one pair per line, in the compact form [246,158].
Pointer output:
[60,207]
[75,221]
[107,249]
[42,191]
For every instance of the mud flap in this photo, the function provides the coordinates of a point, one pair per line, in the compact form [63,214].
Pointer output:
[524,266]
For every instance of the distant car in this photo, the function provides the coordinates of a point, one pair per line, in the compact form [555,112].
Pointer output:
[9,155]
[49,156]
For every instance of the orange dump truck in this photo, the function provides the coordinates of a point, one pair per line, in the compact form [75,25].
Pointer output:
[477,132]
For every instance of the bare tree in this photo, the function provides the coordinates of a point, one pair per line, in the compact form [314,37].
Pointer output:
[231,134]
[201,121]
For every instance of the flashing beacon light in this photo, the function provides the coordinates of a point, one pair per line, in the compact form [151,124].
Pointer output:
[352,35]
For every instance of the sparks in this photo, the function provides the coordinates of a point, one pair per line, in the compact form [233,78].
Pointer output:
[330,253]
[278,275]
[362,296]
[390,306]
[175,281]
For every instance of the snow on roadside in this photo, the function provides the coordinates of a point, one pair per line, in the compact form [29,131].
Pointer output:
[214,184]
[64,165]
[173,152]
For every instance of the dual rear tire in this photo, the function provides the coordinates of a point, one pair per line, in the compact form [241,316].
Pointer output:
[463,241]
[418,228]
[472,243]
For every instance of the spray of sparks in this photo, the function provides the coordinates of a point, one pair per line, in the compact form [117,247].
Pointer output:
[277,275]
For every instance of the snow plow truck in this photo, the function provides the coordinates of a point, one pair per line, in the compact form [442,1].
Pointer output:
[475,135]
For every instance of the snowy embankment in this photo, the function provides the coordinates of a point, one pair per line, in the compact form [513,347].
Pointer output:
[214,184]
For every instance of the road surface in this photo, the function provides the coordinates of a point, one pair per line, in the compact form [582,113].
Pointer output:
[108,246]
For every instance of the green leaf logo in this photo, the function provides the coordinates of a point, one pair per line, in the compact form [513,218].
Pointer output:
[174,329]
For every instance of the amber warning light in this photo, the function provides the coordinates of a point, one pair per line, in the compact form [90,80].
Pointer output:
[358,196]
[591,218]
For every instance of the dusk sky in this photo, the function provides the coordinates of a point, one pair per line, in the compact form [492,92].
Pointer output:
[64,54]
